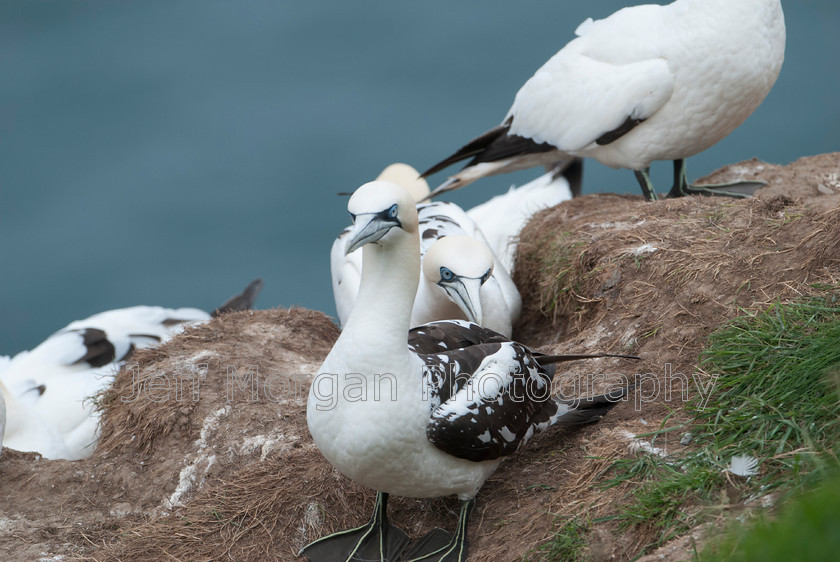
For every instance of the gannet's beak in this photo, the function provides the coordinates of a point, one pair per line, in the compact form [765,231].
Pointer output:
[367,228]
[465,292]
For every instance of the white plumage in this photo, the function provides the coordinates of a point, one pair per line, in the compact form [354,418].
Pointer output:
[48,390]
[496,296]
[23,428]
[503,217]
[53,383]
[2,414]
[647,83]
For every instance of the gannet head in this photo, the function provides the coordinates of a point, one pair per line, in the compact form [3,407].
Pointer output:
[377,208]
[460,265]
[408,177]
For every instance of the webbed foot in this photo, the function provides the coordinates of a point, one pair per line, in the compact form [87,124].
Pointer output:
[377,541]
[738,189]
[440,546]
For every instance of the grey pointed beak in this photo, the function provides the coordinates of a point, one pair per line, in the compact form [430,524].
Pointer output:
[366,229]
[466,293]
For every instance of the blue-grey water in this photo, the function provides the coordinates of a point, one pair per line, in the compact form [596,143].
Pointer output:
[167,152]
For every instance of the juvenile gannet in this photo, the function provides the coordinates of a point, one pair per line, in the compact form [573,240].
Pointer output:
[420,423]
[647,83]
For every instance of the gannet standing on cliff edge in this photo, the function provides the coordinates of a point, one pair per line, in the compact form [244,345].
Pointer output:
[405,422]
[647,83]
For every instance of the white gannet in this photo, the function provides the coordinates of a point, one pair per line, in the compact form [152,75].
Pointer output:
[425,423]
[500,304]
[59,376]
[503,217]
[346,269]
[500,301]
[51,386]
[23,428]
[2,417]
[456,270]
[647,83]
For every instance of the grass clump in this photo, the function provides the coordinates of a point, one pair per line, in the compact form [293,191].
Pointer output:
[568,543]
[557,259]
[775,400]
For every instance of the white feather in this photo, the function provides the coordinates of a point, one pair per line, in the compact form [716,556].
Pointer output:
[743,465]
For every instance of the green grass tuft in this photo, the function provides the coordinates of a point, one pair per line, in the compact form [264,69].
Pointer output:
[775,399]
[568,543]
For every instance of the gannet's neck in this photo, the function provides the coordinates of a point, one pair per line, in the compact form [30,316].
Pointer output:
[381,316]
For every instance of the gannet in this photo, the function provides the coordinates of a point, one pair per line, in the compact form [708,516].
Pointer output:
[51,386]
[23,428]
[647,83]
[495,296]
[500,303]
[420,424]
[346,269]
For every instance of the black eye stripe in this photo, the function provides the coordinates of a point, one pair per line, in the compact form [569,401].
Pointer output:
[390,215]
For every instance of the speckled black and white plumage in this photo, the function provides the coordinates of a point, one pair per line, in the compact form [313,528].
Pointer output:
[489,395]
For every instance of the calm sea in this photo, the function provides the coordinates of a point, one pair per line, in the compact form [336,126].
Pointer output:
[160,152]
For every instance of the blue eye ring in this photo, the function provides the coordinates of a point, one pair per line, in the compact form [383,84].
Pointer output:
[486,276]
[393,211]
[446,274]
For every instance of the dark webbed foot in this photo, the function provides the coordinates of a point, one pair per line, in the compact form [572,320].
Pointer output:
[738,189]
[440,546]
[377,541]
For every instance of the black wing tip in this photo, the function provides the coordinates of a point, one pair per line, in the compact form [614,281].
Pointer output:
[99,351]
[473,147]
[549,359]
[243,301]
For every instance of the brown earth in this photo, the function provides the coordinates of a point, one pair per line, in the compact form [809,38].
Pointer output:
[207,463]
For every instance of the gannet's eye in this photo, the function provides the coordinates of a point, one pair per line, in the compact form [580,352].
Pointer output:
[486,276]
[446,274]
[392,212]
